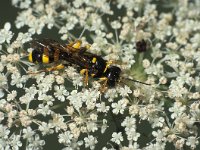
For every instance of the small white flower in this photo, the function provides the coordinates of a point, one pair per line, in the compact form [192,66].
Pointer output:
[4,132]
[17,80]
[132,135]
[192,142]
[65,137]
[115,24]
[36,143]
[45,128]
[91,126]
[44,110]
[129,122]
[28,133]
[146,63]
[3,81]
[120,106]
[117,138]
[15,141]
[75,99]
[160,136]
[177,109]
[60,92]
[101,107]
[5,34]
[125,91]
[90,141]
[12,95]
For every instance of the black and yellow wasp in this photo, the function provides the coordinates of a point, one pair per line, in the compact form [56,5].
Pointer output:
[90,65]
[50,51]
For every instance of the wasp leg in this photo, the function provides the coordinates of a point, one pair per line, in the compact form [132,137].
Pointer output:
[76,44]
[108,63]
[53,68]
[104,85]
[85,73]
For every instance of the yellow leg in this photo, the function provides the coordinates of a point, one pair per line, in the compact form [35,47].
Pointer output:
[85,73]
[104,85]
[108,63]
[76,44]
[58,67]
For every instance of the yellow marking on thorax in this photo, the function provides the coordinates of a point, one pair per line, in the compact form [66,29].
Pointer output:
[94,59]
[30,57]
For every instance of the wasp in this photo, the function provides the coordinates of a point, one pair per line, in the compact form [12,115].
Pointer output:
[88,64]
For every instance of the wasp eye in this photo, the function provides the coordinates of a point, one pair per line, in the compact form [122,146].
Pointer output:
[36,56]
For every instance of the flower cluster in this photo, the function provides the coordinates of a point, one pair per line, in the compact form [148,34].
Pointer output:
[153,42]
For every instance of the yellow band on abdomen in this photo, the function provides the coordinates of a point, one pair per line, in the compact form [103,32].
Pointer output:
[45,59]
[30,57]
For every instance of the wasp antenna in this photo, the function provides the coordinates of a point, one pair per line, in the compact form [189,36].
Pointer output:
[82,33]
[136,81]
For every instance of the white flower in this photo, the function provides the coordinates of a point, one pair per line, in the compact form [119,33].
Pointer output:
[101,107]
[26,99]
[65,137]
[125,91]
[35,143]
[15,141]
[120,106]
[158,122]
[28,133]
[3,81]
[91,126]
[60,92]
[90,141]
[12,95]
[45,128]
[176,89]
[160,135]
[90,97]
[129,122]
[48,99]
[5,34]
[132,135]
[115,24]
[192,142]
[44,110]
[145,63]
[177,109]
[75,99]
[117,138]
[17,80]
[4,132]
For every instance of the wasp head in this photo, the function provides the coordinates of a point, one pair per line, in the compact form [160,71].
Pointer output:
[113,75]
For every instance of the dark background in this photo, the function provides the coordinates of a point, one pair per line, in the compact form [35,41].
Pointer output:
[8,13]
